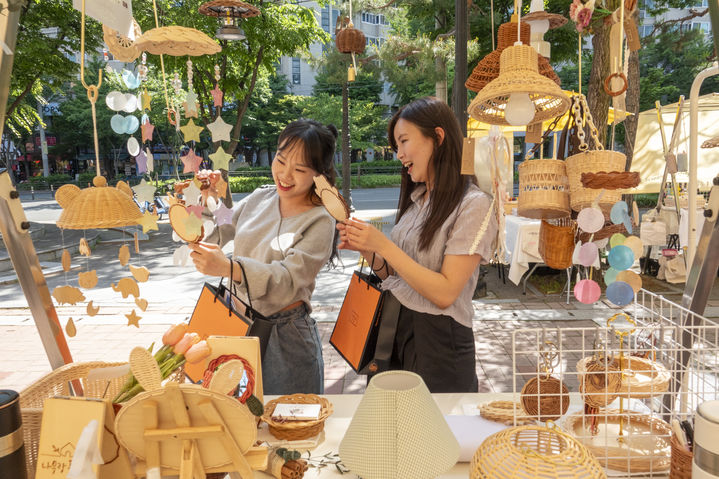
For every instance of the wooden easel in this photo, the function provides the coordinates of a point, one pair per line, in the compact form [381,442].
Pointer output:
[187,429]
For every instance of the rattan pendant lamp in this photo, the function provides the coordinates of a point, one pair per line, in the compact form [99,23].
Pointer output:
[519,95]
[488,68]
[98,206]
[229,13]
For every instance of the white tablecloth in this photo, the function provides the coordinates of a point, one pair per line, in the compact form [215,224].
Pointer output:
[345,406]
[684,226]
[522,239]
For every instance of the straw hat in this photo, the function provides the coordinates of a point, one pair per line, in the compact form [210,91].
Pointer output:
[177,41]
[98,206]
[488,68]
[711,142]
[555,20]
[518,74]
[232,8]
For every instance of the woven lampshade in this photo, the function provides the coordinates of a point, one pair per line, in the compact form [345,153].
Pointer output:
[398,431]
[98,206]
[177,41]
[555,20]
[518,74]
[488,68]
[231,8]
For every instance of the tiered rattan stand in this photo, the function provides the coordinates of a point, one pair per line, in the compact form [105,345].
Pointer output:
[185,429]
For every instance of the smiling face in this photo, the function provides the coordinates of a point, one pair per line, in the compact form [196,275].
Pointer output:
[415,151]
[292,175]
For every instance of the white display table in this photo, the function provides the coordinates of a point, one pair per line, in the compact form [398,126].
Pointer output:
[522,241]
[344,407]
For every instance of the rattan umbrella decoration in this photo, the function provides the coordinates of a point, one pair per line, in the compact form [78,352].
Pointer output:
[518,76]
[229,8]
[177,41]
[711,142]
[488,68]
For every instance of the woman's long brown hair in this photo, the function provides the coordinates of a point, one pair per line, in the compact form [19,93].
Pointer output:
[449,184]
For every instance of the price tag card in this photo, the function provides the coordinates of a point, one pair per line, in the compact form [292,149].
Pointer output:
[296,412]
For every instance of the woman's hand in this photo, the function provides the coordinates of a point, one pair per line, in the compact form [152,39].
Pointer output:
[361,236]
[209,259]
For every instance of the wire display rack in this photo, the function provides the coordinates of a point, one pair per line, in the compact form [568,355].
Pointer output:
[616,387]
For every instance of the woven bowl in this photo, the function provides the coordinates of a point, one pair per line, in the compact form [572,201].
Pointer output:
[642,378]
[297,430]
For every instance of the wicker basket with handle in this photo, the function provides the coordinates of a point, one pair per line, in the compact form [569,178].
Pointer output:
[543,189]
[297,430]
[54,384]
[681,462]
[556,243]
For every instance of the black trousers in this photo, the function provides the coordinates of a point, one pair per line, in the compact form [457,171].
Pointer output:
[437,348]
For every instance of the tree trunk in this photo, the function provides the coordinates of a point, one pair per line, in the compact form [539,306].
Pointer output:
[597,100]
[346,173]
[632,121]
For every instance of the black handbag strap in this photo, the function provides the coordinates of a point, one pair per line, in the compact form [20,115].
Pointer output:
[250,309]
[387,327]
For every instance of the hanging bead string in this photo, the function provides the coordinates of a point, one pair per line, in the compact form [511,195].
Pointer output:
[92,90]
[217,74]
[189,75]
[143,67]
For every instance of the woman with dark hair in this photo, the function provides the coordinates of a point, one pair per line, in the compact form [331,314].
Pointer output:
[430,263]
[282,237]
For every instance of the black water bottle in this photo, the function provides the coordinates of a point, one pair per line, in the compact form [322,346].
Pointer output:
[12,445]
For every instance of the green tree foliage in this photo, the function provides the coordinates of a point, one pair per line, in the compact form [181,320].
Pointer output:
[332,73]
[281,29]
[47,43]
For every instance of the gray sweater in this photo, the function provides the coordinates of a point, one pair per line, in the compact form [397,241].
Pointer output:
[281,256]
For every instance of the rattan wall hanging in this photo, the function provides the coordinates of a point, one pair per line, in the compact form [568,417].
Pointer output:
[488,67]
[177,41]
[347,38]
[99,206]
[545,397]
[535,452]
[518,74]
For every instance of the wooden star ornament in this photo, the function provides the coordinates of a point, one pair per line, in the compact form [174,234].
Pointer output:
[191,132]
[220,159]
[148,222]
[133,319]
[220,130]
[146,100]
[147,131]
[191,162]
[191,104]
[144,191]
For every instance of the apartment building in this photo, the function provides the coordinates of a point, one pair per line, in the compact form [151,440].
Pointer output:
[646,22]
[301,75]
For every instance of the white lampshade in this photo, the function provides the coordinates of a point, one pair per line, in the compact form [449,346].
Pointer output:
[398,432]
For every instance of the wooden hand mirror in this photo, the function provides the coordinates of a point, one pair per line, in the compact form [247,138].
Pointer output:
[187,226]
[331,199]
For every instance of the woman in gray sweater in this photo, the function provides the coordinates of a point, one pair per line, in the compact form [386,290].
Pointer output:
[283,237]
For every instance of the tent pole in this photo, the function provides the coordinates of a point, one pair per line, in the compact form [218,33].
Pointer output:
[693,155]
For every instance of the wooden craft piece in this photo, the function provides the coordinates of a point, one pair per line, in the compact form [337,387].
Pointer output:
[141,303]
[177,41]
[70,328]
[124,255]
[221,159]
[137,239]
[333,202]
[506,412]
[68,295]
[66,260]
[227,376]
[126,286]
[178,220]
[133,319]
[140,274]
[148,222]
[84,247]
[221,187]
[122,47]
[87,280]
[92,310]
[186,428]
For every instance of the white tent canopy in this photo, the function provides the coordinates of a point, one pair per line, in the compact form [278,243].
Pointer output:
[649,154]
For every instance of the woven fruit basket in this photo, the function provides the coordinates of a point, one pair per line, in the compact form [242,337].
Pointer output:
[297,430]
[54,384]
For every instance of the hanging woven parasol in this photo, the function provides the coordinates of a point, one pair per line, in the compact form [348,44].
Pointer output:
[177,41]
[711,142]
[488,68]
[98,206]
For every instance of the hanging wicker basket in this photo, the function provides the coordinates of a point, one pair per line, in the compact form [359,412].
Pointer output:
[556,244]
[593,161]
[350,40]
[543,189]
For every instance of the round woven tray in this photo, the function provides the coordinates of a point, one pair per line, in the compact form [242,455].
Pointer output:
[297,430]
[526,452]
[593,161]
[642,378]
[644,446]
[507,412]
[543,189]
